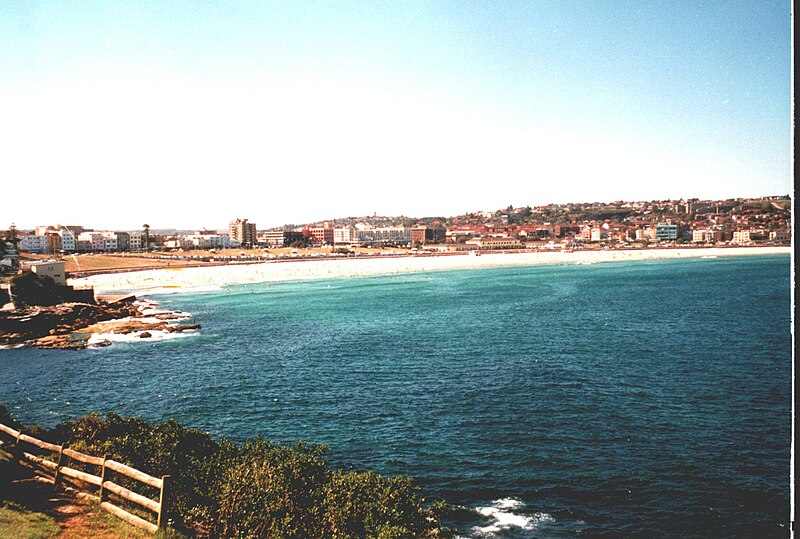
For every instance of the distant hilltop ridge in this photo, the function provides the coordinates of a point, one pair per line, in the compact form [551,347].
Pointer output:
[739,220]
[576,210]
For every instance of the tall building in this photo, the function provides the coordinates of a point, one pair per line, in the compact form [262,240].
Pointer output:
[242,231]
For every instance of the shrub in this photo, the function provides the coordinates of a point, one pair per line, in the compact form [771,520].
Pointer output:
[189,456]
[258,489]
[366,504]
[273,491]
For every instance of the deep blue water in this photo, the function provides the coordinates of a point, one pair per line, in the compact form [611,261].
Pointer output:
[642,399]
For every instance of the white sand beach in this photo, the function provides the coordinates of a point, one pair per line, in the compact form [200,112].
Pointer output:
[192,279]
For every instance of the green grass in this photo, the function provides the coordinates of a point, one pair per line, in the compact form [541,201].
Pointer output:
[18,523]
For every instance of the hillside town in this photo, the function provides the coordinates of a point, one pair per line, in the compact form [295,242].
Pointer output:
[614,225]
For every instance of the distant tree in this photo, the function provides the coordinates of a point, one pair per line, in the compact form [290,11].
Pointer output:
[146,237]
[302,244]
[12,237]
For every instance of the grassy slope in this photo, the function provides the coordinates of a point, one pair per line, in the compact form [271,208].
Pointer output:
[33,511]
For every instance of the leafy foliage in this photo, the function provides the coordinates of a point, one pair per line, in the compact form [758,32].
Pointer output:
[189,456]
[366,504]
[273,491]
[258,489]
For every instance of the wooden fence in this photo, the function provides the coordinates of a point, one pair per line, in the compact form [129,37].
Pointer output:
[60,471]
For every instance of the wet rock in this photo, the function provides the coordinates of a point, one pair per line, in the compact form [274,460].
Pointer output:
[185,327]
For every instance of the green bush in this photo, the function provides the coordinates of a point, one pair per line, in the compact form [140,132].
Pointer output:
[190,457]
[258,489]
[273,491]
[366,504]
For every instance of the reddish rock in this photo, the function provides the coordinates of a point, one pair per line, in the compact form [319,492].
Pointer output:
[185,327]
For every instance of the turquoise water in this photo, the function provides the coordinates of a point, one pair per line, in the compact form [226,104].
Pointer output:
[648,399]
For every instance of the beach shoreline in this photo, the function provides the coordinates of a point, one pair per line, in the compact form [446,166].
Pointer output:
[199,278]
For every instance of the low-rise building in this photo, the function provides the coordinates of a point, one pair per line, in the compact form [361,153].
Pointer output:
[485,243]
[780,235]
[54,269]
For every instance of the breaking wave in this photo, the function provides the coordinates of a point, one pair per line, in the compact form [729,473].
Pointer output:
[98,340]
[507,515]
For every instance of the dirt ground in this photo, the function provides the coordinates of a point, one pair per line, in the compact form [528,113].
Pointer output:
[75,516]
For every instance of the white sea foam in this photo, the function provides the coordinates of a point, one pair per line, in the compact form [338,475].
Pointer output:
[102,339]
[167,290]
[150,314]
[503,516]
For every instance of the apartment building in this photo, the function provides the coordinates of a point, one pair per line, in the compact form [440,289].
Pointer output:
[322,234]
[667,231]
[741,236]
[242,232]
[33,243]
[421,235]
[706,235]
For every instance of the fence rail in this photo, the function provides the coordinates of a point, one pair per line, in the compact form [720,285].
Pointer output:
[59,470]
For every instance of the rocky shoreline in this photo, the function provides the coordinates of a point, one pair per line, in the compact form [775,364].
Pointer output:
[72,325]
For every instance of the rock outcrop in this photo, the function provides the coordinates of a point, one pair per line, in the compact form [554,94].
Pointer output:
[71,325]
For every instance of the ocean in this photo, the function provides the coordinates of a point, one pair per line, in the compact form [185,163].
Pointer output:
[635,399]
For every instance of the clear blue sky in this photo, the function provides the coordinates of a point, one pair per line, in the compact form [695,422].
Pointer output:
[190,114]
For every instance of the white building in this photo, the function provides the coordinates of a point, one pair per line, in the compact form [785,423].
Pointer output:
[363,232]
[398,234]
[69,243]
[345,234]
[741,236]
[494,242]
[706,235]
[646,234]
[136,240]
[207,241]
[598,234]
[33,244]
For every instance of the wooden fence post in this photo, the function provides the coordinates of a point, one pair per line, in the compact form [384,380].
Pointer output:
[164,502]
[58,465]
[17,452]
[103,480]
